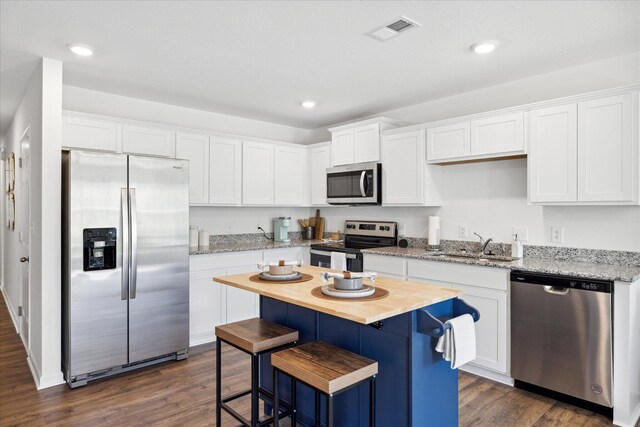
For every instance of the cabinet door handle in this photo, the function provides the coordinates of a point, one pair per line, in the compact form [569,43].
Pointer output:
[556,291]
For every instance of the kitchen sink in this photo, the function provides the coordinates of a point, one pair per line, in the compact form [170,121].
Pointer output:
[480,256]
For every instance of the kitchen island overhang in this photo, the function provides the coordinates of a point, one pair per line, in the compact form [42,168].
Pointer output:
[415,385]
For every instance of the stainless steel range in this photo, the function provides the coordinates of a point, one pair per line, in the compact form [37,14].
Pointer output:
[358,235]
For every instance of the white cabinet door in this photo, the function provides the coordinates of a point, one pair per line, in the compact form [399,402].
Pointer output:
[257,173]
[445,142]
[225,173]
[403,170]
[290,184]
[286,254]
[205,305]
[553,154]
[195,148]
[92,134]
[148,141]
[342,147]
[498,135]
[491,329]
[386,266]
[606,155]
[241,304]
[367,143]
[319,161]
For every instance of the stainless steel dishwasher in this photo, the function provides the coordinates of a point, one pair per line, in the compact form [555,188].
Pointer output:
[561,335]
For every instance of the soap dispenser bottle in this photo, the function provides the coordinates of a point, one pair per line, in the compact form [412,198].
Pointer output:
[517,250]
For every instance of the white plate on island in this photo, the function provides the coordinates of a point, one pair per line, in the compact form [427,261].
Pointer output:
[332,291]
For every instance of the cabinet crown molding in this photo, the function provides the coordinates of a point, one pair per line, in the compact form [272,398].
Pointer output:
[371,121]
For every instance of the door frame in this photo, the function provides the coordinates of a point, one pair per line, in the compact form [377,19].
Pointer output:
[25,227]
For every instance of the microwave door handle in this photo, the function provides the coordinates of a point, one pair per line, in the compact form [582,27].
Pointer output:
[363,175]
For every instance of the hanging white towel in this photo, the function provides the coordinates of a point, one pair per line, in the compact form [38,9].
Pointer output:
[458,344]
[338,261]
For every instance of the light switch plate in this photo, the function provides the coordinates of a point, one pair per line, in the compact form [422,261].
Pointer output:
[522,232]
[462,231]
[557,234]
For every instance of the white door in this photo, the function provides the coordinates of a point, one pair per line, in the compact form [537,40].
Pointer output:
[605,150]
[319,161]
[290,179]
[25,233]
[448,142]
[553,154]
[257,173]
[342,148]
[494,135]
[195,149]
[225,171]
[241,304]
[403,172]
[367,143]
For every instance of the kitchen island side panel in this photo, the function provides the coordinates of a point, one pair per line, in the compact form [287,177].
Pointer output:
[414,386]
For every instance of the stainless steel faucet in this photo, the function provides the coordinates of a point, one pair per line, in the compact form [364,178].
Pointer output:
[484,244]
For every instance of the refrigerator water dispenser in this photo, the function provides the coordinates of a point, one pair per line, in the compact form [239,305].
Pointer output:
[99,248]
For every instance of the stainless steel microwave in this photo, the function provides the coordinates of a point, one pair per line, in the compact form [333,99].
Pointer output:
[355,184]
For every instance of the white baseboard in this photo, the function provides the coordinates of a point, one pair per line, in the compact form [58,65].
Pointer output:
[629,423]
[13,313]
[487,373]
[43,382]
[35,369]
[201,338]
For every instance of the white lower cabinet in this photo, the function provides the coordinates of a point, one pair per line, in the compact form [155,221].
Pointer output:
[385,265]
[205,305]
[241,304]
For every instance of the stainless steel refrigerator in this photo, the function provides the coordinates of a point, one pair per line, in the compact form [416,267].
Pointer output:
[125,273]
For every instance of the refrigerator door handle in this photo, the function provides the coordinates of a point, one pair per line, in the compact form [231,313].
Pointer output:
[124,206]
[134,242]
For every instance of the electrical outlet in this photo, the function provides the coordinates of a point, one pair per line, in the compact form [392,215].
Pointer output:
[462,231]
[401,229]
[557,234]
[522,232]
[229,229]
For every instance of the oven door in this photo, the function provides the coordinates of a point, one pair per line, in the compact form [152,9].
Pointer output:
[354,184]
[323,259]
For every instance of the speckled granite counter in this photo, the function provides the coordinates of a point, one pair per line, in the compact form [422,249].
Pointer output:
[623,273]
[255,245]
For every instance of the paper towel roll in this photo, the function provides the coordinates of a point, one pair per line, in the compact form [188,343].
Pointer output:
[193,237]
[434,231]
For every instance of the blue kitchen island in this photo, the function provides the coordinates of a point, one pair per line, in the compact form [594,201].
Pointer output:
[415,385]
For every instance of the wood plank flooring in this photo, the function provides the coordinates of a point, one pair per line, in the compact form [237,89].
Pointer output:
[183,394]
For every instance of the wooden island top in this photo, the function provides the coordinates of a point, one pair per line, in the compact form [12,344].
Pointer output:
[403,296]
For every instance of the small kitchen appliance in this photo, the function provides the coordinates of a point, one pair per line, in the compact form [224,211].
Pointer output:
[358,235]
[280,229]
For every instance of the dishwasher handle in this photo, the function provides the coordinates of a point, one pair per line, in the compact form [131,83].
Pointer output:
[556,290]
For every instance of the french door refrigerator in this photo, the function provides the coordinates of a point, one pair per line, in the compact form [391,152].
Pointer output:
[125,263]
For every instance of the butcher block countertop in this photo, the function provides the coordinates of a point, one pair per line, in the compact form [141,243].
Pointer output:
[403,296]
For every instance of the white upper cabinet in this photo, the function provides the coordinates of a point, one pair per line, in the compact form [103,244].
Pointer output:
[553,154]
[448,142]
[89,133]
[607,152]
[291,184]
[257,173]
[225,173]
[319,161]
[498,135]
[148,141]
[406,178]
[195,148]
[585,152]
[358,142]
[342,149]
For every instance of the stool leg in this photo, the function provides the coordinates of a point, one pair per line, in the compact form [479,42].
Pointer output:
[294,399]
[372,402]
[276,400]
[218,384]
[329,410]
[317,408]
[255,403]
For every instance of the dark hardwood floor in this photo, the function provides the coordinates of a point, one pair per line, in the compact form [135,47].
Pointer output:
[182,394]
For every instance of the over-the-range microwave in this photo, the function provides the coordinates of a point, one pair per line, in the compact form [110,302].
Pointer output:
[355,184]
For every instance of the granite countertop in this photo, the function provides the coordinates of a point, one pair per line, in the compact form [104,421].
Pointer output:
[255,245]
[602,271]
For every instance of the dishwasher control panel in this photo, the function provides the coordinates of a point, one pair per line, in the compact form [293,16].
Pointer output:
[585,284]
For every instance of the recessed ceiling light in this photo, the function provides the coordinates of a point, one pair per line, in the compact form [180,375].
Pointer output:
[484,46]
[308,103]
[80,50]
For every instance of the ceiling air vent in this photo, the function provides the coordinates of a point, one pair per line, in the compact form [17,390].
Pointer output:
[391,30]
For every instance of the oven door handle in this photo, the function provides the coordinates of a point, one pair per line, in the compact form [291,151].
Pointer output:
[315,252]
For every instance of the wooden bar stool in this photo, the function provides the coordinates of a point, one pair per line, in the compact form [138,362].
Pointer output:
[254,337]
[327,369]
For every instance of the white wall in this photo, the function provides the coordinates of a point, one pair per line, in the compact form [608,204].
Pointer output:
[237,220]
[41,110]
[490,198]
[94,102]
